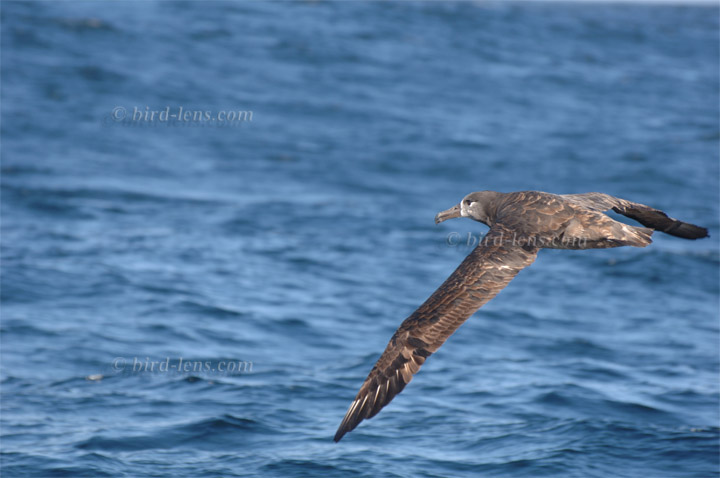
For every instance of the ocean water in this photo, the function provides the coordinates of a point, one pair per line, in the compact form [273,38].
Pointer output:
[285,247]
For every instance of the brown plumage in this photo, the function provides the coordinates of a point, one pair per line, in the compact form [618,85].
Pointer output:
[520,223]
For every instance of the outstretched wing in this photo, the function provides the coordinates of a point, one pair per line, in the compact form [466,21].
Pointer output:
[483,273]
[645,215]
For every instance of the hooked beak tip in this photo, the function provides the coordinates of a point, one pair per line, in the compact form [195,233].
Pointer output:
[451,213]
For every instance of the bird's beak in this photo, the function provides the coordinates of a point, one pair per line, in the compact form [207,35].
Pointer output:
[448,214]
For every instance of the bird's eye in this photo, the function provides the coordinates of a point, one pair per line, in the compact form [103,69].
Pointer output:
[467,202]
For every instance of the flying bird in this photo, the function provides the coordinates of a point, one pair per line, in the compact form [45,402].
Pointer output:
[521,223]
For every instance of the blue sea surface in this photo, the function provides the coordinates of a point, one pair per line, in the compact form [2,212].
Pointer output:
[285,247]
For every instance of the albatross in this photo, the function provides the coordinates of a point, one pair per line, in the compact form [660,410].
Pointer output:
[521,223]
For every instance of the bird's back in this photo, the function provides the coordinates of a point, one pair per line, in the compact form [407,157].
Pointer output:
[556,222]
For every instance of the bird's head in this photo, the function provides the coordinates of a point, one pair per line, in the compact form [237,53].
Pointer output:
[473,206]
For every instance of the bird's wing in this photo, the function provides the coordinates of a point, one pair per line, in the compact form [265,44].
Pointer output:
[596,201]
[645,215]
[483,273]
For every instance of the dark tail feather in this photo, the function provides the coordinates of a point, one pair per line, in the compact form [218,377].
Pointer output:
[660,221]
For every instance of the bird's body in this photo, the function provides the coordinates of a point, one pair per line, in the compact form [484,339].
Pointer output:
[553,221]
[521,223]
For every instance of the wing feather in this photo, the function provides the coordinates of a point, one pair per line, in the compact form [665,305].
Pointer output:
[645,215]
[483,273]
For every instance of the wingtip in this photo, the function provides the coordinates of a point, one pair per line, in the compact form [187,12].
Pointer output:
[344,428]
[691,231]
[341,431]
[349,421]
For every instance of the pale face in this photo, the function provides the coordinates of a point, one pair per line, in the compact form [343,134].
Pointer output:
[468,206]
[472,206]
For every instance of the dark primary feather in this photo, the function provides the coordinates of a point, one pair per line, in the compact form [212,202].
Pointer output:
[645,215]
[483,273]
